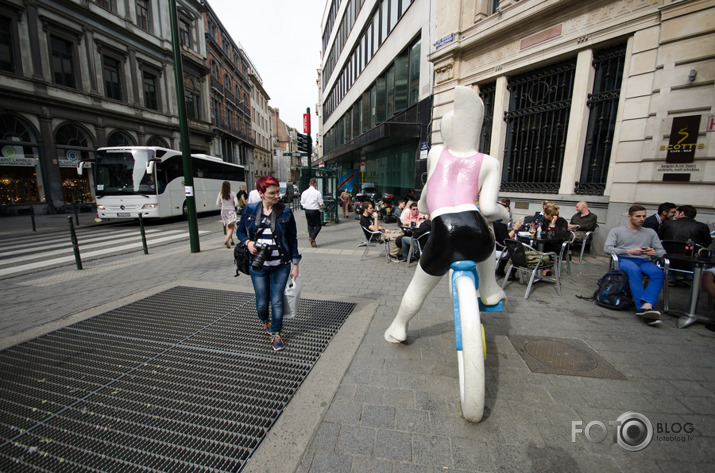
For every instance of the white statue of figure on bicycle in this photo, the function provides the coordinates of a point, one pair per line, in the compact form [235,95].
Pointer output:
[457,175]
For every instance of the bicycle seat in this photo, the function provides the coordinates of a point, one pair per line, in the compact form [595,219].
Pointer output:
[463,265]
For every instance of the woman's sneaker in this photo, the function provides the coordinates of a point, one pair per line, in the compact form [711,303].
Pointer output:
[267,326]
[277,342]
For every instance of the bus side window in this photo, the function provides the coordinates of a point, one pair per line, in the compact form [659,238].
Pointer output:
[161,180]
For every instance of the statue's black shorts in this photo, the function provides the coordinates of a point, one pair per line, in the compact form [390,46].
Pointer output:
[456,237]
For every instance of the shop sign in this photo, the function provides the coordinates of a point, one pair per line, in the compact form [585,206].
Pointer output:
[19,161]
[680,163]
[10,151]
[683,140]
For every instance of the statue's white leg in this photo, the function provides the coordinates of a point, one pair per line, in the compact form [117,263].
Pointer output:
[489,290]
[415,295]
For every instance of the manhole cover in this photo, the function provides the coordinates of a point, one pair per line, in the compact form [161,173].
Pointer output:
[560,355]
[184,380]
[564,356]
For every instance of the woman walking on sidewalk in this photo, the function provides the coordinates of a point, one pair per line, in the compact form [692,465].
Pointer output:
[228,202]
[268,230]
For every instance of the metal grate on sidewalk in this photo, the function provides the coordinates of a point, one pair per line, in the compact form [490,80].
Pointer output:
[184,380]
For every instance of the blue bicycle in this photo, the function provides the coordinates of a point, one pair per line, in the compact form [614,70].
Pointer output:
[469,337]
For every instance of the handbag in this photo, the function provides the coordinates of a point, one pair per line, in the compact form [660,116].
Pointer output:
[242,258]
[291,298]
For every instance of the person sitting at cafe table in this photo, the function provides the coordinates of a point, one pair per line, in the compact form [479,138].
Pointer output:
[539,215]
[634,245]
[411,218]
[582,221]
[554,230]
[686,228]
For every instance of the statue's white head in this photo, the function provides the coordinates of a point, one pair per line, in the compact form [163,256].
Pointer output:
[461,127]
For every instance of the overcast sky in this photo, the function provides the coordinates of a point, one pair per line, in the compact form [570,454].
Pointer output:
[283,40]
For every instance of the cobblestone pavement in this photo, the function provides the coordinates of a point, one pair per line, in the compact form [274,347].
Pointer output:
[378,407]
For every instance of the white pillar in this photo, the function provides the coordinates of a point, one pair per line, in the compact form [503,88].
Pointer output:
[578,122]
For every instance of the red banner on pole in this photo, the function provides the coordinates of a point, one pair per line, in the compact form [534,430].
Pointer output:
[306,123]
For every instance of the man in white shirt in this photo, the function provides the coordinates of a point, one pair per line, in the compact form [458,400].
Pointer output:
[311,199]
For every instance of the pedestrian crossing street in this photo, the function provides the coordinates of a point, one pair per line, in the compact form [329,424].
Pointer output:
[43,251]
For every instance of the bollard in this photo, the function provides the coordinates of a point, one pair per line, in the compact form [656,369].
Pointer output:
[76,215]
[32,217]
[75,245]
[141,229]
[224,229]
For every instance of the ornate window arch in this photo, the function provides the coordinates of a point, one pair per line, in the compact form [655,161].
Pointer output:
[157,141]
[121,138]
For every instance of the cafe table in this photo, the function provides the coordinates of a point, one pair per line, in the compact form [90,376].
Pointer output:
[689,317]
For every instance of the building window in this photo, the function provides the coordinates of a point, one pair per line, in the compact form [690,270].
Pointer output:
[537,124]
[414,74]
[21,179]
[143,18]
[193,105]
[185,34]
[62,62]
[495,6]
[216,112]
[106,4]
[402,72]
[7,53]
[487,92]
[120,138]
[72,145]
[603,105]
[111,72]
[151,96]
[157,141]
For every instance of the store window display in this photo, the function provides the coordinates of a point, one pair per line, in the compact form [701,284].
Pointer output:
[20,170]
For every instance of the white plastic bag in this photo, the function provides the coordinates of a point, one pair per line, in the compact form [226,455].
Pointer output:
[291,298]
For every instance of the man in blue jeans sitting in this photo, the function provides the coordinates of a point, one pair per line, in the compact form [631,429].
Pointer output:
[635,245]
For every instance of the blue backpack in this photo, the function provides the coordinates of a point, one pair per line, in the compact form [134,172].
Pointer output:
[613,291]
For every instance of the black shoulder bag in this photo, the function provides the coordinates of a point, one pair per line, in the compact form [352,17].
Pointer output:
[241,255]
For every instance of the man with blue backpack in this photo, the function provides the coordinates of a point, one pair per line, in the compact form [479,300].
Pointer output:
[635,245]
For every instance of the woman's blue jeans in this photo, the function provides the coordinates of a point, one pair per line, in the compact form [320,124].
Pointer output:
[635,268]
[270,281]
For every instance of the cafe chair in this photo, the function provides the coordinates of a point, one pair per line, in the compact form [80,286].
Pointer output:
[565,253]
[677,248]
[417,247]
[523,267]
[371,238]
[586,239]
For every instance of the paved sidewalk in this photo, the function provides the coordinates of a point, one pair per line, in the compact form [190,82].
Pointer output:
[395,408]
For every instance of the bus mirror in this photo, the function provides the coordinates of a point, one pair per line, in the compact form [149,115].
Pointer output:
[80,165]
[150,168]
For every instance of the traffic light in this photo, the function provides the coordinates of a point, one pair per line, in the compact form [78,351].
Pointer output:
[303,143]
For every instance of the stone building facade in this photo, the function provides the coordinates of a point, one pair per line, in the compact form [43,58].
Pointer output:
[230,93]
[262,119]
[607,101]
[76,75]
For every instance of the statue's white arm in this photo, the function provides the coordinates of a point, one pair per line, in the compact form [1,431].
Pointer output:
[490,180]
[432,159]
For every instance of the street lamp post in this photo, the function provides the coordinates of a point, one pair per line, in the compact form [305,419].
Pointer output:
[184,132]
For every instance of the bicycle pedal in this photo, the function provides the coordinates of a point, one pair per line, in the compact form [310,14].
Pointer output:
[498,307]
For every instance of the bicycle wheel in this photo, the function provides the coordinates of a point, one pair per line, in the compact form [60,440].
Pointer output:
[471,357]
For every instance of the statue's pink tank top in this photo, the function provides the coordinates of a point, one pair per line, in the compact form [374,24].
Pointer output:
[454,181]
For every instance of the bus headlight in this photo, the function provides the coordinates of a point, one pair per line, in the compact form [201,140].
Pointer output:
[149,206]
[100,207]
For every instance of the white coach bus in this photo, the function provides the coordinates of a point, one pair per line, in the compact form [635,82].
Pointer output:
[148,180]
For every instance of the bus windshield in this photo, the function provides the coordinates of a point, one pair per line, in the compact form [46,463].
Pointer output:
[123,172]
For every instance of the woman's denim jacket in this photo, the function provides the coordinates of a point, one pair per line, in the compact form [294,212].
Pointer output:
[285,235]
